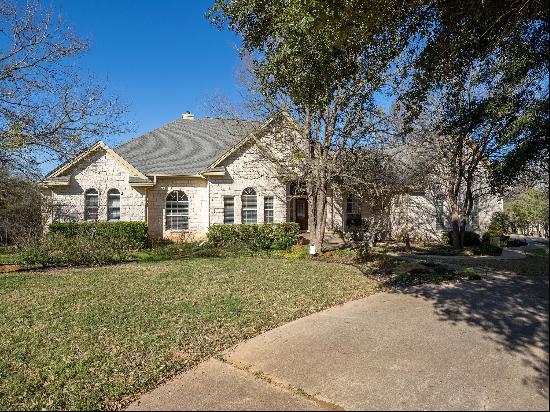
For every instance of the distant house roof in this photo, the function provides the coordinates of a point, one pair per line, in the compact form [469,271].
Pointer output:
[184,147]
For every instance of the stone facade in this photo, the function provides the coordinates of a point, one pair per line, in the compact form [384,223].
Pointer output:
[196,189]
[101,172]
[245,168]
[418,214]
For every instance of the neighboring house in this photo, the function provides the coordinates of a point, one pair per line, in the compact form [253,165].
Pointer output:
[190,174]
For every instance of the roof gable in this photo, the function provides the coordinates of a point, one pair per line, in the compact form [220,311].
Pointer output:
[99,145]
[255,134]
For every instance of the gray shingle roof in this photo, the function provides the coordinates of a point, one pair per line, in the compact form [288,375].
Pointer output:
[184,147]
[133,179]
[59,179]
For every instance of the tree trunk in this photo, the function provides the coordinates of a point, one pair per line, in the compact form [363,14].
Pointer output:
[321,219]
[317,202]
[457,238]
[455,223]
[462,230]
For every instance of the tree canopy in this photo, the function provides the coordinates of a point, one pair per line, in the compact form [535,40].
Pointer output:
[310,49]
[506,44]
[326,63]
[48,108]
[527,213]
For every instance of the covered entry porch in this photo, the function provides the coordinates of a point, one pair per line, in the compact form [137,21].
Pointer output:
[336,214]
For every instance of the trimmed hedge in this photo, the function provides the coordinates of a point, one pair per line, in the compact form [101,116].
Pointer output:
[56,249]
[486,249]
[134,234]
[470,238]
[262,236]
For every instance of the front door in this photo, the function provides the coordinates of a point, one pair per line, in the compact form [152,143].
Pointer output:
[301,213]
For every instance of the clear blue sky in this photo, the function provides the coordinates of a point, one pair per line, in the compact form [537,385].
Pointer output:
[162,58]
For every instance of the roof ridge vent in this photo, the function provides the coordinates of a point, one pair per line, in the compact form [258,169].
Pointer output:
[188,116]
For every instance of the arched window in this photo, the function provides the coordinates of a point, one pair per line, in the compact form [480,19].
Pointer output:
[113,204]
[249,211]
[91,204]
[177,211]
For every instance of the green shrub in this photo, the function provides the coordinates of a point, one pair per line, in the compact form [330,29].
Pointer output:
[487,249]
[297,252]
[264,236]
[470,238]
[497,226]
[132,234]
[442,250]
[56,249]
[469,273]
[364,251]
[486,238]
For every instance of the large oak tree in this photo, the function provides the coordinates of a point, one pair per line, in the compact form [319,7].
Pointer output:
[322,66]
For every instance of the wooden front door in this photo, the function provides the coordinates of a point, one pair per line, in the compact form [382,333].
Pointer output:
[301,213]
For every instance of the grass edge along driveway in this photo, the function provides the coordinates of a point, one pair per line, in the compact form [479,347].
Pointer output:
[94,338]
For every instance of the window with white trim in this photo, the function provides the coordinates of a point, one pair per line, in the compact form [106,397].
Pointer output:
[113,205]
[268,209]
[353,212]
[249,209]
[177,211]
[91,204]
[228,210]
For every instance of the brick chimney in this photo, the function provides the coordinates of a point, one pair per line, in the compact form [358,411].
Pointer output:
[188,116]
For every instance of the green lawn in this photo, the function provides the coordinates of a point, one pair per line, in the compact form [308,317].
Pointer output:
[7,258]
[539,252]
[535,263]
[94,338]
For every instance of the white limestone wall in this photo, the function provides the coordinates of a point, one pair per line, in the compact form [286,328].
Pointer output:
[196,189]
[416,214]
[101,172]
[246,168]
[488,206]
[335,211]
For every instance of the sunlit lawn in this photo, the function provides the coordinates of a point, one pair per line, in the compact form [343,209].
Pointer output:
[535,263]
[93,338]
[7,258]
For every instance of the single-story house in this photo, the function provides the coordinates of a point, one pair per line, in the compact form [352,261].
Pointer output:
[193,173]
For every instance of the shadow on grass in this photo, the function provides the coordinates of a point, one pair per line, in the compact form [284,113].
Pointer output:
[512,309]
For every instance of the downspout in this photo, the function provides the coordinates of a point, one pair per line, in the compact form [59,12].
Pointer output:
[146,209]
[208,203]
[332,210]
[52,211]
[147,203]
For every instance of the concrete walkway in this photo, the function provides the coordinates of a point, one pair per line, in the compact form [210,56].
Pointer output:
[470,346]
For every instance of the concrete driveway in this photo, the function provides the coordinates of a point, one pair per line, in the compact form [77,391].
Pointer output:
[471,346]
